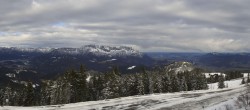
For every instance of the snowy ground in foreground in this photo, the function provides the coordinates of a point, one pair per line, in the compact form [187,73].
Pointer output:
[192,100]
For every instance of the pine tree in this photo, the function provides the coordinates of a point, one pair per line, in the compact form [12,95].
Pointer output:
[189,76]
[91,89]
[1,97]
[204,80]
[248,78]
[116,82]
[82,88]
[175,83]
[112,84]
[56,92]
[96,87]
[99,87]
[30,95]
[44,93]
[146,82]
[201,82]
[166,83]
[20,97]
[72,78]
[198,80]
[15,96]
[221,83]
[156,83]
[243,81]
[7,95]
[183,84]
[133,89]
[140,86]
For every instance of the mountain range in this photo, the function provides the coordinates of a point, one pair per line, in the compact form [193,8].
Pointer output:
[46,63]
[33,64]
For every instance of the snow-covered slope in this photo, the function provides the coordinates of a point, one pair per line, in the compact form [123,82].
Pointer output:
[179,67]
[191,100]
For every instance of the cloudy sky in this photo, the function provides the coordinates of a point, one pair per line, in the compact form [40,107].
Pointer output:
[147,25]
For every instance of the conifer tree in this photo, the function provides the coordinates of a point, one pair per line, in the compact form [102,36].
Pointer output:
[243,81]
[175,83]
[221,83]
[146,83]
[7,95]
[21,97]
[112,84]
[201,82]
[56,92]
[99,87]
[140,86]
[133,89]
[95,86]
[30,95]
[72,79]
[166,83]
[183,84]
[1,97]
[248,78]
[204,79]
[82,88]
[91,89]
[156,85]
[116,82]
[45,93]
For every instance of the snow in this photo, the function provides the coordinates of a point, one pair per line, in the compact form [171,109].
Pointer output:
[210,99]
[34,86]
[132,67]
[224,105]
[15,81]
[231,104]
[229,84]
[43,50]
[98,50]
[214,73]
[110,60]
[101,50]
[11,75]
[88,78]
[245,74]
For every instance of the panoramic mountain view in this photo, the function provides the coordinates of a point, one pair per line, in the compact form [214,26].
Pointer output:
[124,55]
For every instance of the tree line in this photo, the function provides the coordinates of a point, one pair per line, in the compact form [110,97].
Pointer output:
[79,86]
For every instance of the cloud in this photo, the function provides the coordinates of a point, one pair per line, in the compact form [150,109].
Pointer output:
[149,25]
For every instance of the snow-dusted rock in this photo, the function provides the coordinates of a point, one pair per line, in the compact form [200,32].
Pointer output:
[179,67]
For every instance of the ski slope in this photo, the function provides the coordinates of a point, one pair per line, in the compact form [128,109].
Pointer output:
[191,100]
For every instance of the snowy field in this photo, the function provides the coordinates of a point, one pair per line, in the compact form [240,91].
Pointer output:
[212,99]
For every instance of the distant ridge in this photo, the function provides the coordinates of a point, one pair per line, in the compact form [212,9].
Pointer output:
[98,50]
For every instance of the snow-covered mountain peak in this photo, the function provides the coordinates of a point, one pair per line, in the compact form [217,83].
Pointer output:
[98,50]
[101,50]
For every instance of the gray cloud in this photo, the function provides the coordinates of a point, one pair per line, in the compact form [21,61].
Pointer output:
[148,25]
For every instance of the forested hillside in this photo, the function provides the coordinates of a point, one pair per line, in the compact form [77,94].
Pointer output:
[80,85]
